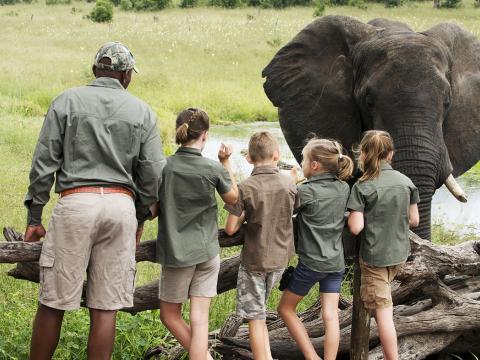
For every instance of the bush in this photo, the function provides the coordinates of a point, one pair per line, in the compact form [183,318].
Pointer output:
[58,2]
[280,4]
[126,5]
[476,3]
[229,4]
[102,11]
[450,4]
[338,2]
[9,2]
[147,5]
[360,4]
[188,3]
[393,3]
[319,8]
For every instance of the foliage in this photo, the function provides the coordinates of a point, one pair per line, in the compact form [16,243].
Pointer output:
[150,5]
[338,2]
[126,5]
[58,2]
[319,8]
[228,4]
[188,3]
[102,11]
[450,4]
[393,3]
[8,2]
[476,3]
[360,4]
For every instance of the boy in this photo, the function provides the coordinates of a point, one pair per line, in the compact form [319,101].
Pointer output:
[266,201]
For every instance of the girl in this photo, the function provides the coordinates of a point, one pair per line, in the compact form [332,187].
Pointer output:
[383,204]
[320,219]
[187,245]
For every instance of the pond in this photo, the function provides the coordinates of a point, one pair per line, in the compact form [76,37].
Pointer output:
[446,210]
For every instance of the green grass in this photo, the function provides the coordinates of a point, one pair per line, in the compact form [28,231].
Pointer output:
[204,57]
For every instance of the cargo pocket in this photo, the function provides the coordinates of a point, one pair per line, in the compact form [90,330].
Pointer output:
[47,280]
[367,294]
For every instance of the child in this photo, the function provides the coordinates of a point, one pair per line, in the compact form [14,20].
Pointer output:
[320,222]
[187,245]
[266,201]
[383,204]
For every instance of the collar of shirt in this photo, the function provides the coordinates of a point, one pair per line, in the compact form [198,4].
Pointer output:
[265,169]
[385,166]
[189,150]
[107,82]
[323,176]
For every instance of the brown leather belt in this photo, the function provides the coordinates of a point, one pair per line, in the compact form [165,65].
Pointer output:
[97,190]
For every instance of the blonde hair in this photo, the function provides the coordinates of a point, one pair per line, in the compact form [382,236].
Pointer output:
[190,124]
[262,146]
[374,148]
[329,154]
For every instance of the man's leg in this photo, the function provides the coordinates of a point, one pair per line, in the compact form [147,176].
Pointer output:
[287,311]
[387,333]
[258,342]
[332,326]
[102,334]
[46,332]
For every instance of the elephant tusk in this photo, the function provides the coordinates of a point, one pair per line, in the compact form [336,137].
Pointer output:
[455,189]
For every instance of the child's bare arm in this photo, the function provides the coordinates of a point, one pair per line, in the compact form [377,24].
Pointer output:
[413,216]
[224,153]
[234,223]
[356,222]
[154,210]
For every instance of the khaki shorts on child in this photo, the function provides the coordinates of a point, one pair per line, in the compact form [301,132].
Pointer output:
[178,284]
[375,289]
[253,290]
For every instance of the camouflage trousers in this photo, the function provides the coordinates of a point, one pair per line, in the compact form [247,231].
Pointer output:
[253,290]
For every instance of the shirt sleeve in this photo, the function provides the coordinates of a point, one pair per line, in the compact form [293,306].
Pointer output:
[47,160]
[238,207]
[414,195]
[149,168]
[356,201]
[224,183]
[300,199]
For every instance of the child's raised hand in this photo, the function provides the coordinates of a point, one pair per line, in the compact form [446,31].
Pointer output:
[294,175]
[224,152]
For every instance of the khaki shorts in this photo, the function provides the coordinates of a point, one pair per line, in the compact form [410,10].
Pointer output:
[93,233]
[253,290]
[178,284]
[375,289]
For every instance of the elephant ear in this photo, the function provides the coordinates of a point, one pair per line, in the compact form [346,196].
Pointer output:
[462,124]
[310,80]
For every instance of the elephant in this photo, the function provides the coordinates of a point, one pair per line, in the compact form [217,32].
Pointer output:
[339,77]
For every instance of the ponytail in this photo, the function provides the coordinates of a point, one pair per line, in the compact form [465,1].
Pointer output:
[374,148]
[191,123]
[329,154]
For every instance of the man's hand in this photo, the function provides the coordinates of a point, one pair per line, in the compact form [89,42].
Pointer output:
[224,152]
[34,233]
[138,234]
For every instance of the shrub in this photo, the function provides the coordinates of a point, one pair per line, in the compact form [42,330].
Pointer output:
[188,3]
[338,2]
[229,4]
[126,5]
[360,4]
[319,8]
[393,3]
[9,2]
[147,5]
[58,2]
[476,3]
[102,11]
[450,4]
[115,2]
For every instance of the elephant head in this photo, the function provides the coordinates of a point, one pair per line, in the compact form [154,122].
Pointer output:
[340,77]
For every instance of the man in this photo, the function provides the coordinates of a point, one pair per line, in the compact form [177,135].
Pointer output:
[101,146]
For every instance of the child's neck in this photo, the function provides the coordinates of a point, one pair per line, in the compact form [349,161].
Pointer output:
[196,144]
[265,163]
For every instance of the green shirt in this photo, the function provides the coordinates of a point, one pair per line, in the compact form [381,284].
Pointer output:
[320,222]
[385,202]
[187,220]
[96,135]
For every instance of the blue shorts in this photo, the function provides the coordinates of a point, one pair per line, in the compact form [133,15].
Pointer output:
[304,279]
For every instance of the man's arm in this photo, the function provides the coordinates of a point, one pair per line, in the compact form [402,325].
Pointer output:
[148,172]
[47,160]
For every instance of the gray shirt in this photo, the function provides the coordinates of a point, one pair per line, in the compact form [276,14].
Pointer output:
[96,135]
[385,202]
[320,222]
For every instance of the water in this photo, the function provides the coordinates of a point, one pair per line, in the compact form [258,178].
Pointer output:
[446,210]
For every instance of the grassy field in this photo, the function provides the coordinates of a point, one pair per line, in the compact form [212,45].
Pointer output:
[202,57]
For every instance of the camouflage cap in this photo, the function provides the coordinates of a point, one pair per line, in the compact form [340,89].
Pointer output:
[120,56]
